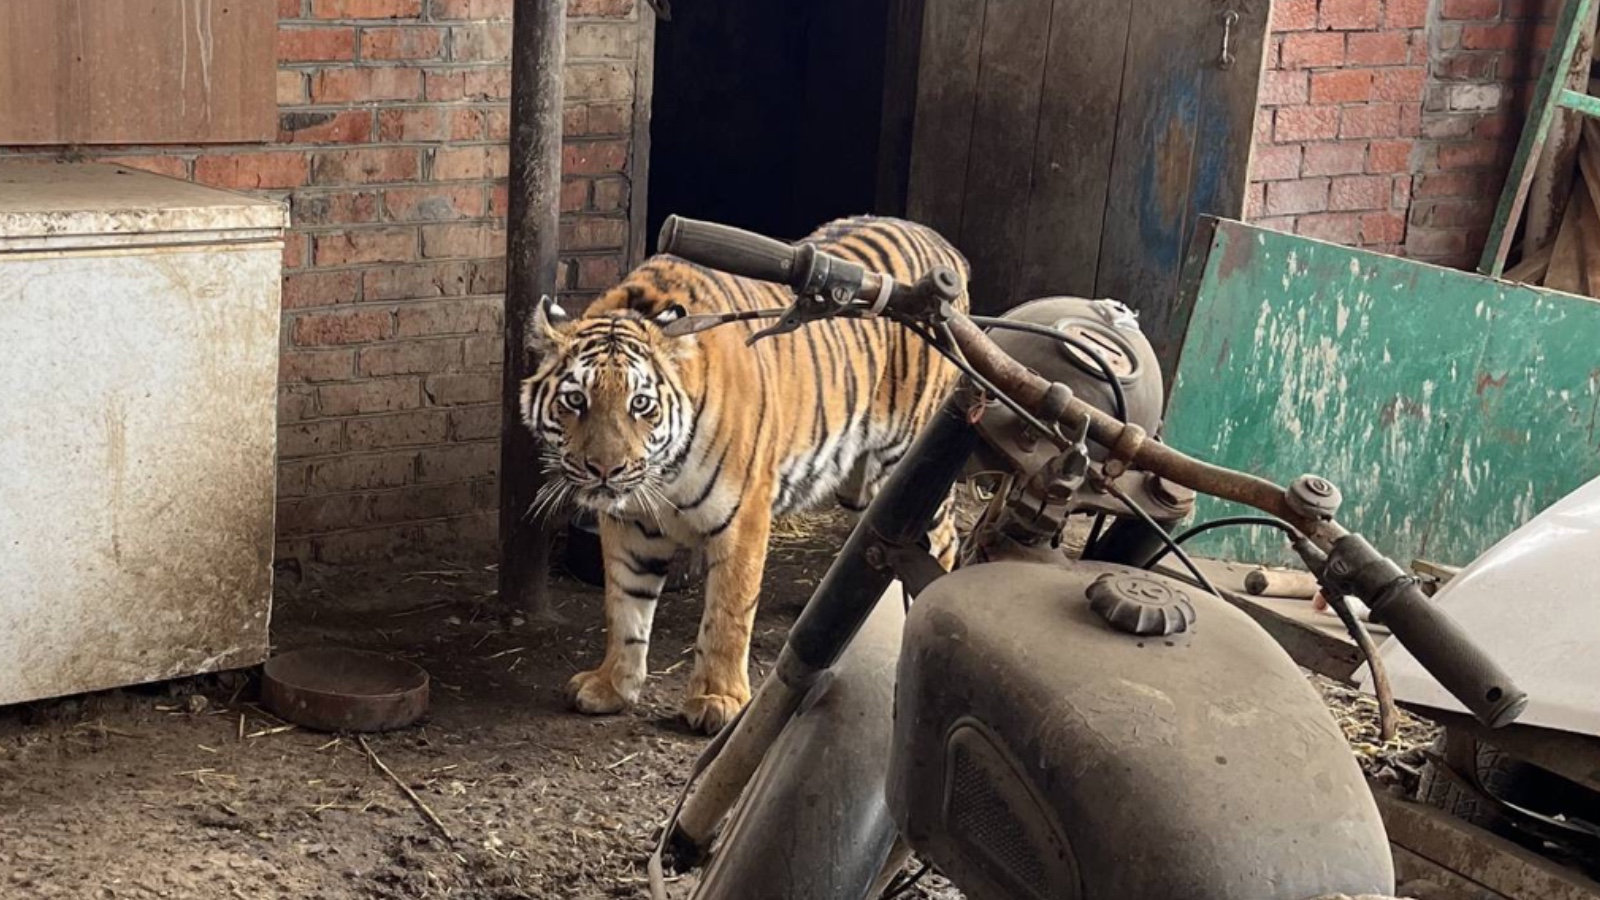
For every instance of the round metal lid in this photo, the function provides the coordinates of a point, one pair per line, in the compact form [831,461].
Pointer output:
[1140,604]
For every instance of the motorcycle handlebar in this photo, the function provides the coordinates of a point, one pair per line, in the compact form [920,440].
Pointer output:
[1437,642]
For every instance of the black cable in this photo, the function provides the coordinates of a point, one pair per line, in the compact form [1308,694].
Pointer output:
[1225,522]
[960,362]
[896,890]
[1106,374]
[1172,546]
[1094,534]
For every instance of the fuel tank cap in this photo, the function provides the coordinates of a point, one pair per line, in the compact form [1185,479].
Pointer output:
[1140,604]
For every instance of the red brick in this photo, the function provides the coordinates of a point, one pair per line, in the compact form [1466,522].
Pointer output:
[1305,123]
[454,316]
[608,9]
[430,123]
[1341,86]
[489,42]
[1484,10]
[289,9]
[1293,15]
[464,240]
[363,473]
[1431,243]
[593,233]
[366,245]
[1338,228]
[589,119]
[252,171]
[1451,184]
[1308,50]
[1492,128]
[170,166]
[310,366]
[1291,197]
[471,9]
[1455,213]
[1280,88]
[594,157]
[484,351]
[355,85]
[1379,120]
[1410,120]
[316,44]
[407,429]
[574,194]
[320,289]
[611,194]
[348,127]
[1466,66]
[369,396]
[421,281]
[1491,37]
[1399,85]
[497,124]
[470,163]
[1255,204]
[461,390]
[433,204]
[294,250]
[500,200]
[602,81]
[599,272]
[348,327]
[1349,15]
[1402,192]
[602,40]
[291,87]
[1384,48]
[1383,228]
[1359,192]
[1335,158]
[365,9]
[1405,13]
[368,165]
[459,462]
[335,208]
[469,84]
[474,423]
[408,42]
[1275,162]
[410,357]
[1468,156]
[1389,157]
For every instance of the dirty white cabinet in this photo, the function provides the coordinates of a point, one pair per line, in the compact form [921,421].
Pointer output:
[138,384]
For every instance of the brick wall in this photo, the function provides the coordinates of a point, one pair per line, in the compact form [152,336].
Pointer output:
[392,151]
[1388,124]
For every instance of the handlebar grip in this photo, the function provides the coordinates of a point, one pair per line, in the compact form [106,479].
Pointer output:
[1436,640]
[728,249]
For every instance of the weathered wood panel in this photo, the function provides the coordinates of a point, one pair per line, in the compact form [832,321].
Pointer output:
[941,138]
[1450,408]
[1183,142]
[137,71]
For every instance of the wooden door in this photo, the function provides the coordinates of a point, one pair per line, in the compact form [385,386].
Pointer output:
[1069,146]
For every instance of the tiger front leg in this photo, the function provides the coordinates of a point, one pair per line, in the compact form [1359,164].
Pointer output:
[735,559]
[636,561]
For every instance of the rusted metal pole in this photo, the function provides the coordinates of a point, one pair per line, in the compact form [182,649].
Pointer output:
[538,48]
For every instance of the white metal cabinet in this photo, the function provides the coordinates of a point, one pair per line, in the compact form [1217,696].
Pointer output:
[138,387]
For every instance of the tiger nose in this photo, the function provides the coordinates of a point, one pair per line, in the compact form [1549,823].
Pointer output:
[604,475]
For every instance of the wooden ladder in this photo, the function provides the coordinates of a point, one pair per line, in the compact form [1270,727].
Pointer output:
[1550,96]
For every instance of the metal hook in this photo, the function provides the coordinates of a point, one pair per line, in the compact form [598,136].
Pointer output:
[1229,19]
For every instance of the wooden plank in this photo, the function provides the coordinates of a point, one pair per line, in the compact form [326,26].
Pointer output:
[1073,153]
[1450,408]
[644,88]
[901,57]
[1183,139]
[1000,168]
[1444,884]
[1475,854]
[1565,271]
[947,89]
[137,71]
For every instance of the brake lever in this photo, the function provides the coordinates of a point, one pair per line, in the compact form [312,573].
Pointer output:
[809,308]
[706,321]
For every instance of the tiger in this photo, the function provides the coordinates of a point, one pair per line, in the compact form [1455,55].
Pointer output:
[699,441]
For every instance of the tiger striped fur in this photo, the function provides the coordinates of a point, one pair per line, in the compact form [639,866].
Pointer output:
[700,441]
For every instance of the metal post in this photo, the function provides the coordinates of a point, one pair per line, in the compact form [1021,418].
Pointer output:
[538,48]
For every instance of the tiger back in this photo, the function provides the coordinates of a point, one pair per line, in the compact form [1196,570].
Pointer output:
[700,441]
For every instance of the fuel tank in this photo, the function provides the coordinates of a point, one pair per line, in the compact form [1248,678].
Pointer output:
[1101,732]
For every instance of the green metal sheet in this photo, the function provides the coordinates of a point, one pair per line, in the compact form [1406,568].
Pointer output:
[1449,407]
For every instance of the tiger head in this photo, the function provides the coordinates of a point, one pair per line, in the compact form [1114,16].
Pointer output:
[607,405]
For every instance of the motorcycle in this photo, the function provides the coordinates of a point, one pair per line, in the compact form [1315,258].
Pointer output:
[1034,725]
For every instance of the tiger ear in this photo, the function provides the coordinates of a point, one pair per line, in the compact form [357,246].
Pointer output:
[543,334]
[669,315]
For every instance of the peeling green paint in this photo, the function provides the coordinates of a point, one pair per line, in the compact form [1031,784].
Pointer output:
[1450,408]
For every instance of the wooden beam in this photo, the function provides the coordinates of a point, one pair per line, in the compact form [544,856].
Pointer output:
[538,49]
[644,91]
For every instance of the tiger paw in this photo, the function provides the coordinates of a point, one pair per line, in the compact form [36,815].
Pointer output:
[710,713]
[593,693]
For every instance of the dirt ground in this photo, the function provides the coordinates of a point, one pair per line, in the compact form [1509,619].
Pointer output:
[151,792]
[188,790]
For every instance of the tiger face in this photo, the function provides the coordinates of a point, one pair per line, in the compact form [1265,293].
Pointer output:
[608,408]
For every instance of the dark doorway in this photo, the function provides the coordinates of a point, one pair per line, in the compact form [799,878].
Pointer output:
[767,113]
